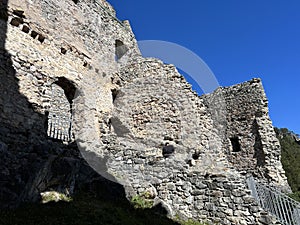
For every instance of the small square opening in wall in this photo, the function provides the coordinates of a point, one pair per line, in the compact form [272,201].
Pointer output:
[235,143]
[63,50]
[41,38]
[34,34]
[75,1]
[19,13]
[25,29]
[16,21]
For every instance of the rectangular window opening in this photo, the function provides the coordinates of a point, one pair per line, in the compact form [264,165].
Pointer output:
[235,143]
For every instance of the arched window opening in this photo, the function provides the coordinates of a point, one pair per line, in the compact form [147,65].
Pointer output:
[59,124]
[68,88]
[120,49]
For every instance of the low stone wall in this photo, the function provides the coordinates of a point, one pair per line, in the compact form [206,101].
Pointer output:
[204,191]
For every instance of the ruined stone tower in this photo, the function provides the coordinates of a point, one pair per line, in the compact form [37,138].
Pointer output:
[72,73]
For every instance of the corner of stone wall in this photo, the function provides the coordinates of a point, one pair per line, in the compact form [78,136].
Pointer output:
[250,134]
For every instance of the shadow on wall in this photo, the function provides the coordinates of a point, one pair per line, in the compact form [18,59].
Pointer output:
[31,162]
[259,154]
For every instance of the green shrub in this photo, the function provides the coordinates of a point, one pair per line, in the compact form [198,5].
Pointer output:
[295,196]
[290,157]
[53,196]
[142,201]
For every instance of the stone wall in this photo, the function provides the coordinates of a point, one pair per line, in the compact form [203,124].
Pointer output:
[44,49]
[249,132]
[210,187]
[76,74]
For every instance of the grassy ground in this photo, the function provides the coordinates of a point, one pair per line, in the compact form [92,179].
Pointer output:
[85,209]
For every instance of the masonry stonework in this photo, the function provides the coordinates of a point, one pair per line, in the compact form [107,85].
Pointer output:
[72,77]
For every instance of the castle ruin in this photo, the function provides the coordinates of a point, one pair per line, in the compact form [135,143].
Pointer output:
[72,76]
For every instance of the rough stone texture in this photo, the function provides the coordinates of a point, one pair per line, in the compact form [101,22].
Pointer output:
[72,72]
[73,48]
[248,121]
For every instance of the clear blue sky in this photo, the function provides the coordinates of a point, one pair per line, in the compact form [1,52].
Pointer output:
[238,40]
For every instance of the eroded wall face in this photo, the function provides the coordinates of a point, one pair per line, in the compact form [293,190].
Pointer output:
[77,43]
[250,143]
[154,105]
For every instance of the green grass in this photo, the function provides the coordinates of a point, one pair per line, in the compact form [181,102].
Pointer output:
[53,196]
[85,209]
[295,196]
